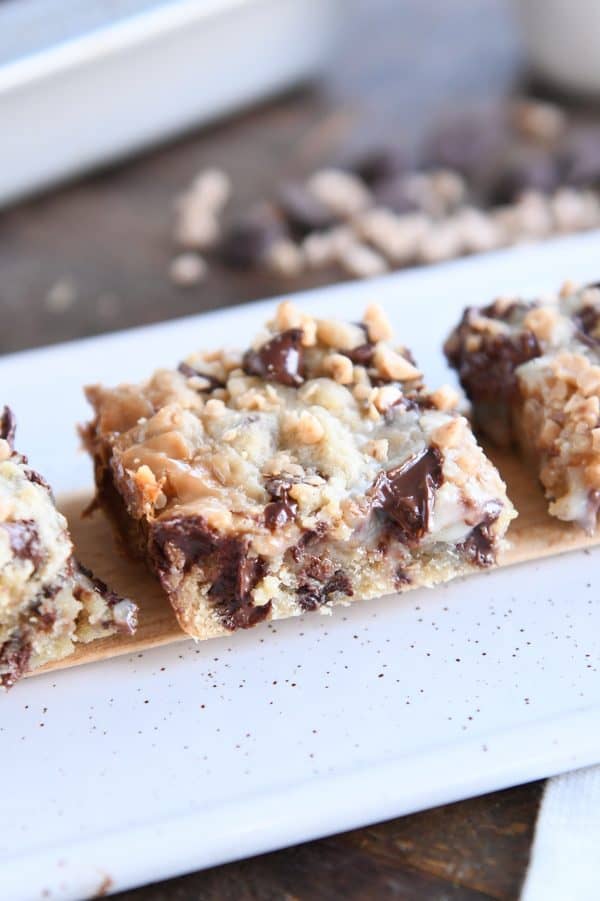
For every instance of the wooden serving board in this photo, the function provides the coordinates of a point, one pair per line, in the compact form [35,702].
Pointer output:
[533,535]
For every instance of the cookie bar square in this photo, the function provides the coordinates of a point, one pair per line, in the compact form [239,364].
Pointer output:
[312,470]
[532,372]
[48,601]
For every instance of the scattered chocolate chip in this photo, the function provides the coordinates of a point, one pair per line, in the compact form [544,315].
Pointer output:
[8,426]
[532,170]
[189,372]
[393,193]
[303,211]
[24,540]
[581,158]
[14,660]
[381,164]
[249,240]
[279,360]
[404,494]
[468,142]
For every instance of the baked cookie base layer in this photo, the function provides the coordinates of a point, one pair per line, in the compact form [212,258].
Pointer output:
[533,535]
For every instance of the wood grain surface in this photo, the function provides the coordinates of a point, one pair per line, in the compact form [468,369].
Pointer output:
[397,68]
[533,535]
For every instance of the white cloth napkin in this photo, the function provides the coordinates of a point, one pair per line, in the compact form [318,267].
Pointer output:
[565,857]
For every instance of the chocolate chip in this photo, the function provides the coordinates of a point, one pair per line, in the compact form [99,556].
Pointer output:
[478,547]
[404,494]
[279,360]
[382,164]
[581,158]
[304,213]
[189,372]
[24,540]
[8,426]
[533,170]
[249,240]
[469,142]
[14,660]
[394,194]
[312,594]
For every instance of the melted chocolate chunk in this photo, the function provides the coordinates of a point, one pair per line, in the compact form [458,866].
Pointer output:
[279,360]
[282,508]
[189,372]
[231,591]
[24,540]
[8,427]
[278,513]
[312,594]
[180,543]
[404,495]
[14,660]
[478,546]
[488,373]
[304,213]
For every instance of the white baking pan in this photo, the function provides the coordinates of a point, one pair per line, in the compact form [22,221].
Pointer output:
[84,82]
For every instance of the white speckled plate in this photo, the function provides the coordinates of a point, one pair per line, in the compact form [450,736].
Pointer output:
[139,768]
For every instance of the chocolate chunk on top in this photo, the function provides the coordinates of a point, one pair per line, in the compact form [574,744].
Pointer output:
[405,494]
[279,360]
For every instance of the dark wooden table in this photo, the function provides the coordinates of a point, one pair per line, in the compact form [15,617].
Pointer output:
[399,65]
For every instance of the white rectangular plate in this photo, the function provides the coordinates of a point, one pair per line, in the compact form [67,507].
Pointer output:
[186,756]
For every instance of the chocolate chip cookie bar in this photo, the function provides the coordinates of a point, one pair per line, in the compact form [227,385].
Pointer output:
[312,470]
[47,600]
[532,372]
